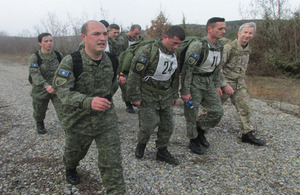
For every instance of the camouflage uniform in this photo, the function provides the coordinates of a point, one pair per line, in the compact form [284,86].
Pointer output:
[124,42]
[235,62]
[42,76]
[202,85]
[156,96]
[114,46]
[83,125]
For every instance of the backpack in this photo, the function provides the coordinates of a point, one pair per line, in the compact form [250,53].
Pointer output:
[40,61]
[203,53]
[126,56]
[78,68]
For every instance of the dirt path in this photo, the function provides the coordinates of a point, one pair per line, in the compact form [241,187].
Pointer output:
[32,164]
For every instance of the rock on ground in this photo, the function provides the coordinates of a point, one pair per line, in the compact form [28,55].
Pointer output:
[32,163]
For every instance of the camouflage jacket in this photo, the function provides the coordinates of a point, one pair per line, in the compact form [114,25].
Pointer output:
[76,95]
[42,75]
[152,93]
[124,41]
[234,65]
[190,68]
[114,46]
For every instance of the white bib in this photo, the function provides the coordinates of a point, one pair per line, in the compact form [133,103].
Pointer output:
[213,59]
[107,47]
[166,66]
[131,42]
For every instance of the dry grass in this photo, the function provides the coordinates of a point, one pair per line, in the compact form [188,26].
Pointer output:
[20,59]
[278,89]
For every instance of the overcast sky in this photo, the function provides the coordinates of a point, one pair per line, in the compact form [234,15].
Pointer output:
[17,16]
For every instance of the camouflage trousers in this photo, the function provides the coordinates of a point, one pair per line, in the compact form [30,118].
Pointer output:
[149,119]
[240,99]
[211,102]
[40,107]
[124,91]
[109,155]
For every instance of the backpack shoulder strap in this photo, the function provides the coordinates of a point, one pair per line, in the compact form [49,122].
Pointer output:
[115,62]
[203,53]
[59,57]
[153,52]
[39,59]
[77,63]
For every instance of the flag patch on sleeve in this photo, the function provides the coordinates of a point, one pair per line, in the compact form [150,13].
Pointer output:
[63,72]
[34,65]
[142,60]
[194,55]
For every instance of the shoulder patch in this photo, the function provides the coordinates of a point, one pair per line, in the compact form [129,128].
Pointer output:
[34,65]
[60,81]
[139,67]
[63,73]
[142,60]
[191,60]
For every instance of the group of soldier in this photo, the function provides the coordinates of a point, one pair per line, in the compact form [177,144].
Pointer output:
[81,88]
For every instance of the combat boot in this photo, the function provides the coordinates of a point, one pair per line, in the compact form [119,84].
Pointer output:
[201,138]
[72,176]
[139,151]
[195,147]
[164,155]
[129,107]
[251,139]
[40,127]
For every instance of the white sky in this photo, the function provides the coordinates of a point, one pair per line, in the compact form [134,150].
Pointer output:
[17,16]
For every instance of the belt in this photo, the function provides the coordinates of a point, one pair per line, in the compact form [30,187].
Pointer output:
[207,74]
[158,91]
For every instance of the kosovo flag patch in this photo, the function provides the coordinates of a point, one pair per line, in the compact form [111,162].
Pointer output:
[63,73]
[142,60]
[196,56]
[34,65]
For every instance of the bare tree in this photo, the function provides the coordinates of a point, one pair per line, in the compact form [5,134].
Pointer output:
[278,39]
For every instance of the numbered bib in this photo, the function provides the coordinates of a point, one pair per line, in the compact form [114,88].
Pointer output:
[166,66]
[213,59]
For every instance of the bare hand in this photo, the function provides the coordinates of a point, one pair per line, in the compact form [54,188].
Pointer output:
[186,97]
[136,103]
[122,80]
[219,90]
[50,89]
[228,89]
[100,104]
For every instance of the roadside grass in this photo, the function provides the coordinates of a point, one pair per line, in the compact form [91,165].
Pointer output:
[20,59]
[278,89]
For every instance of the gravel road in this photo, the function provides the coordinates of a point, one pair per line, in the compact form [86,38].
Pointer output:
[32,163]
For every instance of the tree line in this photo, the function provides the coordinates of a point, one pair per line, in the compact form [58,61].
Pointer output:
[275,49]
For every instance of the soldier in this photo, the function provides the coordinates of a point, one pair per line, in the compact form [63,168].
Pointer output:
[235,62]
[106,24]
[114,31]
[42,67]
[201,83]
[114,47]
[89,113]
[153,87]
[131,37]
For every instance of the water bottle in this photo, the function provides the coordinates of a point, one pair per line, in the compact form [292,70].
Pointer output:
[190,104]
